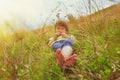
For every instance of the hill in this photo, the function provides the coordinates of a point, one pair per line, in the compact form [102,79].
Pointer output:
[26,56]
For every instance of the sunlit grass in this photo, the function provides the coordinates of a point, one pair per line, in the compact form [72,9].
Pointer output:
[26,56]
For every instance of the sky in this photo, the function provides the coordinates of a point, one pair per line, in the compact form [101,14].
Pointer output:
[31,14]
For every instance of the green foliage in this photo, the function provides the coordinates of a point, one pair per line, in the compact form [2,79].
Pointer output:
[26,56]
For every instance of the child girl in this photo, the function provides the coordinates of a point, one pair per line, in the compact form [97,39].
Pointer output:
[61,43]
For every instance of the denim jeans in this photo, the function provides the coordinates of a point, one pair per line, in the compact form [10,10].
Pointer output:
[60,44]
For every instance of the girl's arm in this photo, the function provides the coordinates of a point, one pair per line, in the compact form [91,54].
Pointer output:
[69,36]
[53,39]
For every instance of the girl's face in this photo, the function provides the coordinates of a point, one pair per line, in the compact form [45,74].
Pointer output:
[60,29]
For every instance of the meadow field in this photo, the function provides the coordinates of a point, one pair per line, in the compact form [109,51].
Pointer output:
[25,55]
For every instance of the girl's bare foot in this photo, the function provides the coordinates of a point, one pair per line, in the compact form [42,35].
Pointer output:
[60,58]
[70,61]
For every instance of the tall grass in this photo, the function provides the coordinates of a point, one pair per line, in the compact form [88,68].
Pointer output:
[26,56]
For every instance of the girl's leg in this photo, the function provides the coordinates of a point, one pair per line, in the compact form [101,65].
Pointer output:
[64,57]
[60,58]
[70,61]
[56,46]
[67,51]
[67,48]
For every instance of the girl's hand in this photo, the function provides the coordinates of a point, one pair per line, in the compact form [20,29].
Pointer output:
[57,35]
[64,35]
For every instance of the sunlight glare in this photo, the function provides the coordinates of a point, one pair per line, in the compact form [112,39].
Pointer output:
[18,10]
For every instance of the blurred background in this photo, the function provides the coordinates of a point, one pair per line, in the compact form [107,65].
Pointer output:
[33,14]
